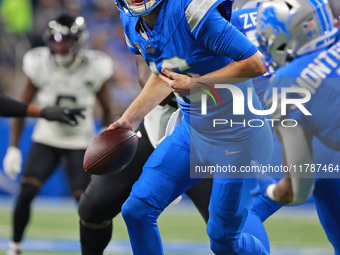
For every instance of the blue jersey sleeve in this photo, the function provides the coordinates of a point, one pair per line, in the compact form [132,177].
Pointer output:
[236,22]
[220,36]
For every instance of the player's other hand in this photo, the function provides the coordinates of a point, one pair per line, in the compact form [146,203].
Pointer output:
[64,115]
[176,81]
[263,181]
[12,162]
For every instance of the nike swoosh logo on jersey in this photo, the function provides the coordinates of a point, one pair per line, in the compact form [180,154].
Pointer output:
[231,152]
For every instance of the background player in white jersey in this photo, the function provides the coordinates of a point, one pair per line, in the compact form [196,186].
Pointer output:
[62,74]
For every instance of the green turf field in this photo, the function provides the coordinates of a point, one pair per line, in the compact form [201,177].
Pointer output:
[287,232]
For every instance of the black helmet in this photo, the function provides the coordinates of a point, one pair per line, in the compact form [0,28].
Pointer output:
[66,28]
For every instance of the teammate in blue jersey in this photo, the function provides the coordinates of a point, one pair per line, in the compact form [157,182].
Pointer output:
[244,18]
[326,191]
[326,196]
[193,36]
[308,61]
[313,51]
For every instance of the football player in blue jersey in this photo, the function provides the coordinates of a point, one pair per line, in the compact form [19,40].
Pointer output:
[307,52]
[176,38]
[245,19]
[301,52]
[104,196]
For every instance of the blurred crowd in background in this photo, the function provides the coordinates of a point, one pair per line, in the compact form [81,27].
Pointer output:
[23,22]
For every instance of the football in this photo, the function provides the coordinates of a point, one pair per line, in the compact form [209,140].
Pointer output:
[110,152]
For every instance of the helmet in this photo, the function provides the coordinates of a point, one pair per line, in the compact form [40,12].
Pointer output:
[66,36]
[144,7]
[335,7]
[243,4]
[290,28]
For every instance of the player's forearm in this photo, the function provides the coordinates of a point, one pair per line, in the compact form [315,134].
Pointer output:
[16,130]
[154,92]
[33,110]
[297,186]
[240,70]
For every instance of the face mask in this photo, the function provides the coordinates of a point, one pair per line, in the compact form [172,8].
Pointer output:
[140,9]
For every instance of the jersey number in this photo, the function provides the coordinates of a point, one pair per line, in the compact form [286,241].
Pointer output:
[170,63]
[66,101]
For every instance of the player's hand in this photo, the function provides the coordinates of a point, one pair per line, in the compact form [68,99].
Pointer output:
[262,183]
[176,81]
[121,123]
[64,115]
[12,162]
